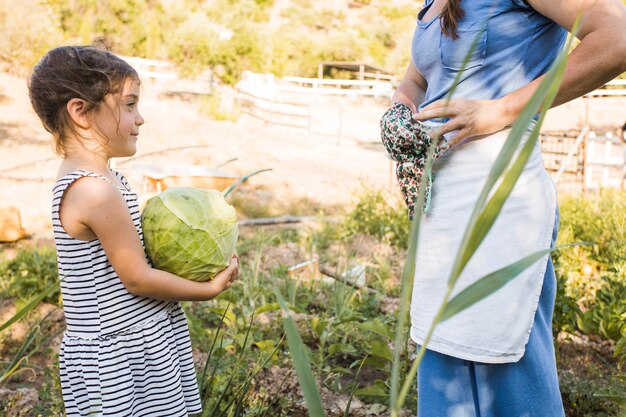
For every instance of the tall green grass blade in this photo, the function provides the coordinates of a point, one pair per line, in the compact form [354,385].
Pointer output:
[239,395]
[492,282]
[235,367]
[346,413]
[300,361]
[22,353]
[203,380]
[30,305]
[488,285]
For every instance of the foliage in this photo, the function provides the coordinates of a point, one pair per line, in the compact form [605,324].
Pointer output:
[566,310]
[595,276]
[579,399]
[29,274]
[341,327]
[592,218]
[379,215]
[221,35]
[29,30]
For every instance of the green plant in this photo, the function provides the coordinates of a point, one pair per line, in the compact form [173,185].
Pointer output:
[566,310]
[607,317]
[218,107]
[580,400]
[376,214]
[616,392]
[29,273]
[597,218]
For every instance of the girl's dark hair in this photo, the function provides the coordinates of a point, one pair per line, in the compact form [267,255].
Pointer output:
[69,72]
[451,14]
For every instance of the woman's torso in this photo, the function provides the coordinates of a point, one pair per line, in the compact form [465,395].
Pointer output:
[513,45]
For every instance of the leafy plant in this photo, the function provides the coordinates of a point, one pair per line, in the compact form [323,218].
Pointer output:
[31,272]
[380,216]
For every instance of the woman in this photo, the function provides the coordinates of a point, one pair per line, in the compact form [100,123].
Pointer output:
[495,358]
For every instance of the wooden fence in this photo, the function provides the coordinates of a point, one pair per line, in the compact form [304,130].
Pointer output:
[578,160]
[583,160]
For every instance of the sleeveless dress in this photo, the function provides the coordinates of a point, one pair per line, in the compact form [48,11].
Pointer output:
[122,354]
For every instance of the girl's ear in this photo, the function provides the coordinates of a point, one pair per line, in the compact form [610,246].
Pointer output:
[76,109]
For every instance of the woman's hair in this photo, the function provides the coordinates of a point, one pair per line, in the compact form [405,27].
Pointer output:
[451,13]
[68,72]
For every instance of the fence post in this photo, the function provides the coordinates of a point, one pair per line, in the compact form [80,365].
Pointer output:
[589,153]
[608,144]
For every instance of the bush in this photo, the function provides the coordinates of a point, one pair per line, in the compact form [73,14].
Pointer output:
[29,30]
[595,275]
[29,274]
[580,400]
[601,219]
[380,216]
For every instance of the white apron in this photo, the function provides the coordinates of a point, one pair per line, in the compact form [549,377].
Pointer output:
[496,329]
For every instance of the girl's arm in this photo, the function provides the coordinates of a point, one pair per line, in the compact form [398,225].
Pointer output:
[599,57]
[98,206]
[411,89]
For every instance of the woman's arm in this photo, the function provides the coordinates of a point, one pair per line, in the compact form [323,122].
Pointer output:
[411,89]
[599,57]
[101,208]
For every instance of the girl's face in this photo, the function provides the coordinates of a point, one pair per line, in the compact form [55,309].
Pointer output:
[118,120]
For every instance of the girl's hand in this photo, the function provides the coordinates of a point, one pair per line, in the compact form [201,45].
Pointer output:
[469,118]
[224,279]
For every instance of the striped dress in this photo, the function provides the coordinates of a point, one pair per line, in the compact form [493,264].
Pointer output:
[122,354]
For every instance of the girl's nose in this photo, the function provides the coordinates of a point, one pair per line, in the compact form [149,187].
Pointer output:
[139,121]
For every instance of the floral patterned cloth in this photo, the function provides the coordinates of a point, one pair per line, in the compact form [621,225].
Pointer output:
[407,142]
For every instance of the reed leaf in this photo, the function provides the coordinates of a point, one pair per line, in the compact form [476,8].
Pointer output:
[30,305]
[301,361]
[488,285]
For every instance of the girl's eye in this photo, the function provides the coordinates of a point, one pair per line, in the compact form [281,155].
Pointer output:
[132,105]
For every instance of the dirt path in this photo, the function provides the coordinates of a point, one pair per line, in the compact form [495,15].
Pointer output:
[315,167]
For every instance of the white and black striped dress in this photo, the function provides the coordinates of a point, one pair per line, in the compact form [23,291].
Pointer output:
[122,354]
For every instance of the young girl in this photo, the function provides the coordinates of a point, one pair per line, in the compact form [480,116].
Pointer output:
[126,350]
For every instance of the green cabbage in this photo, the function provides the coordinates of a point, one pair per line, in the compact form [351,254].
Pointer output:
[190,232]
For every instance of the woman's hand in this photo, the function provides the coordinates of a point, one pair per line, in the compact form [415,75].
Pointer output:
[225,278]
[469,118]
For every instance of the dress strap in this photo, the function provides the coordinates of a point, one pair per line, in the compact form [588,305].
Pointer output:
[69,179]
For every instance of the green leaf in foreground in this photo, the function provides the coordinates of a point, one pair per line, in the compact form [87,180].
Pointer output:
[29,306]
[301,361]
[492,282]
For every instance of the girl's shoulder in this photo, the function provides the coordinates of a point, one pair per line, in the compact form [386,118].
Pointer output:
[67,178]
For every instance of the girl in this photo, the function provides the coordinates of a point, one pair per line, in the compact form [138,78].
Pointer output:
[495,359]
[126,350]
